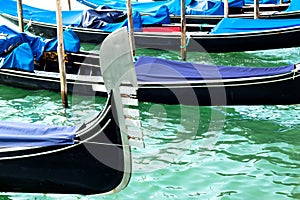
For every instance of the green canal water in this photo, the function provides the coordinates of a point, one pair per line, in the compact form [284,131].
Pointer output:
[236,152]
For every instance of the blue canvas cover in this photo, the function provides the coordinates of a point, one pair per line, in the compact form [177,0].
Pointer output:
[18,50]
[205,8]
[238,25]
[20,58]
[193,7]
[74,18]
[107,20]
[71,18]
[236,3]
[16,134]
[151,69]
[97,19]
[294,6]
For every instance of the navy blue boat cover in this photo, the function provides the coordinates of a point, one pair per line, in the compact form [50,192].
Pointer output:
[18,50]
[151,69]
[236,25]
[15,134]
[193,7]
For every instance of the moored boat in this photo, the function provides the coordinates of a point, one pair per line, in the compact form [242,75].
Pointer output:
[245,35]
[93,157]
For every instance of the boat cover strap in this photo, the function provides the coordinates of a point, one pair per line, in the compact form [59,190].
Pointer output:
[237,25]
[16,134]
[151,69]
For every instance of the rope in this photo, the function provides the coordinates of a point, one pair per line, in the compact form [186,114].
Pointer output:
[26,27]
[188,37]
[201,26]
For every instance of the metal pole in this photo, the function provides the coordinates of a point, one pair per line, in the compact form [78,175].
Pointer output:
[256,9]
[20,16]
[60,51]
[226,9]
[130,27]
[183,31]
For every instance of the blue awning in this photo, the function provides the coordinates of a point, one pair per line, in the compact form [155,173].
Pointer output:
[16,134]
[151,69]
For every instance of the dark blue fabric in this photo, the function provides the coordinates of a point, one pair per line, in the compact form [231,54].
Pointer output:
[110,21]
[294,6]
[236,25]
[151,69]
[20,58]
[15,134]
[96,19]
[110,27]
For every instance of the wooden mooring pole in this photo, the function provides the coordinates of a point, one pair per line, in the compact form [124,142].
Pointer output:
[61,53]
[183,31]
[130,27]
[69,5]
[226,9]
[256,9]
[20,16]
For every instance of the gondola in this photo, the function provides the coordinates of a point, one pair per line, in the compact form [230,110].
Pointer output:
[252,35]
[208,12]
[171,82]
[91,158]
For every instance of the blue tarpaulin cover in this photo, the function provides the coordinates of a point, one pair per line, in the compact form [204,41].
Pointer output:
[151,69]
[80,18]
[71,18]
[110,21]
[20,58]
[16,134]
[294,6]
[193,7]
[236,25]
[205,8]
[18,50]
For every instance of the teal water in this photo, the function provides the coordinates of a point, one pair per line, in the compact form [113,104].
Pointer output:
[237,152]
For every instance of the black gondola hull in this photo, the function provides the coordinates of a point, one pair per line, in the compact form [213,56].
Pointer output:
[277,90]
[201,42]
[96,164]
